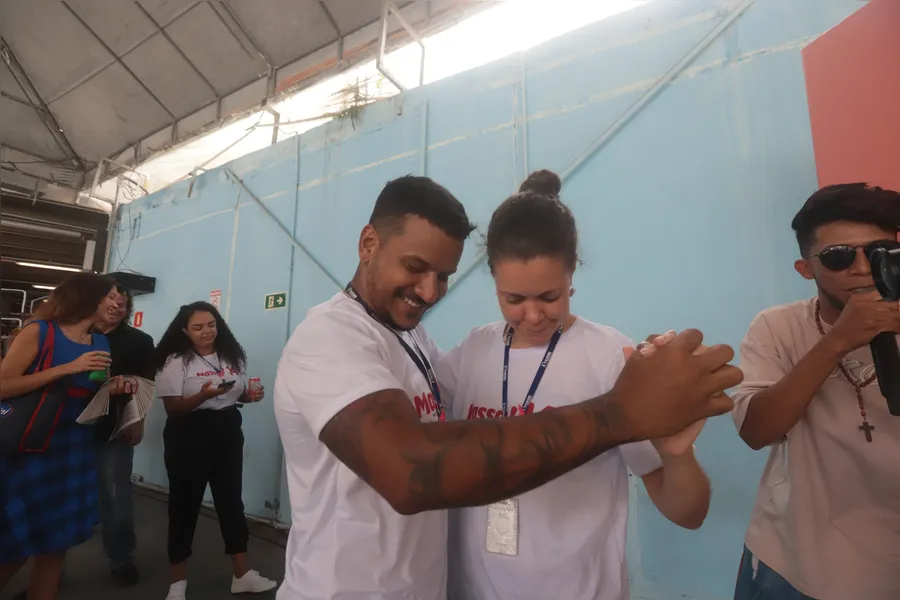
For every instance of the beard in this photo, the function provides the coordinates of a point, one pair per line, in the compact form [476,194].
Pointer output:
[379,301]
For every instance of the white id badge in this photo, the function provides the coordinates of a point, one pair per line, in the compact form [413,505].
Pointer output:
[503,528]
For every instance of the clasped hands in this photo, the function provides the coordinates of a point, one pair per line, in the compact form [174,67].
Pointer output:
[682,443]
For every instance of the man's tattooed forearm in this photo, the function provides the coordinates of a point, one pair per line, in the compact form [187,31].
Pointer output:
[466,463]
[504,466]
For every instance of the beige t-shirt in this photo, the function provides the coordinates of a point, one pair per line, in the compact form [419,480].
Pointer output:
[827,513]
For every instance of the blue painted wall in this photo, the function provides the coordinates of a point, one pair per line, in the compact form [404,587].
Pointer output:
[684,218]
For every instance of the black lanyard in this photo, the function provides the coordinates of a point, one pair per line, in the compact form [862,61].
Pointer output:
[220,371]
[537,376]
[417,356]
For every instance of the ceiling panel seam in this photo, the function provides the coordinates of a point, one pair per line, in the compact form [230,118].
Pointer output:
[178,49]
[117,58]
[270,67]
[240,24]
[330,17]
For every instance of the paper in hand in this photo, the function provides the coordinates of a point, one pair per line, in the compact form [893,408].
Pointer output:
[135,409]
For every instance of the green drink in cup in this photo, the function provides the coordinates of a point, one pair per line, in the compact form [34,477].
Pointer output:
[99,376]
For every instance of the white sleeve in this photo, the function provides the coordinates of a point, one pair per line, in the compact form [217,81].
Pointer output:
[170,381]
[447,371]
[332,360]
[641,457]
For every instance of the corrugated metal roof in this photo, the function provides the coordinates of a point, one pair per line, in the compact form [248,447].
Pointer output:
[83,80]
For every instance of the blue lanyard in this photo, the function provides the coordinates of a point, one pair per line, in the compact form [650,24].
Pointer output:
[417,356]
[537,376]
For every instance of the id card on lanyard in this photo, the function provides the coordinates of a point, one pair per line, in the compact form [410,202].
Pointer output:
[502,536]
[417,356]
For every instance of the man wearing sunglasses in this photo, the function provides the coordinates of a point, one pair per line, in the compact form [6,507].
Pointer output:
[826,524]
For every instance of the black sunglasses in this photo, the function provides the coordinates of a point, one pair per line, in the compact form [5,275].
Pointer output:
[841,256]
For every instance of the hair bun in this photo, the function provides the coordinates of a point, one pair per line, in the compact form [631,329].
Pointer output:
[542,182]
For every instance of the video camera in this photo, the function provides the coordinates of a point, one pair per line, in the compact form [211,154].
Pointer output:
[885,264]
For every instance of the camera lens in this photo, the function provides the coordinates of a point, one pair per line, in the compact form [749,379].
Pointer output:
[886,272]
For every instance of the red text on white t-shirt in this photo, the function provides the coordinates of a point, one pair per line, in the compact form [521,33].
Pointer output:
[221,373]
[483,412]
[425,404]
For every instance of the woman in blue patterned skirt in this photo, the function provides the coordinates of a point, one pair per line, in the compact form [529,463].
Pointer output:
[48,500]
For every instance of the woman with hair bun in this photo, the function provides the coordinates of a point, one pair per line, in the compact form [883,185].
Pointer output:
[565,539]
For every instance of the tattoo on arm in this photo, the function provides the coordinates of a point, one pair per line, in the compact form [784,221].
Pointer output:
[466,463]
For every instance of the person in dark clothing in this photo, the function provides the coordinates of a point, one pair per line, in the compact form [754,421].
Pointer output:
[132,353]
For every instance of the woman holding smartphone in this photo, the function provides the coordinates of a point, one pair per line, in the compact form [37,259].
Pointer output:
[201,380]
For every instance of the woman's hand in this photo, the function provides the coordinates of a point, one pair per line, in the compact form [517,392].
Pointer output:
[682,442]
[210,390]
[89,361]
[120,385]
[254,395]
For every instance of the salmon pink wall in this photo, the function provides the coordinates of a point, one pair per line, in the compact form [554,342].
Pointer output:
[853,88]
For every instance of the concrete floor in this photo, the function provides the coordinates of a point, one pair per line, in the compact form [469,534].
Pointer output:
[86,575]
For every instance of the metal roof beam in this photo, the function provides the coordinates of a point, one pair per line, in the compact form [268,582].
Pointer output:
[41,179]
[37,103]
[46,159]
[181,53]
[244,31]
[118,60]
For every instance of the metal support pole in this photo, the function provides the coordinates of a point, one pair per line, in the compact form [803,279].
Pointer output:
[276,119]
[14,291]
[113,217]
[231,175]
[623,119]
[90,248]
[423,146]
[33,302]
[388,8]
[662,82]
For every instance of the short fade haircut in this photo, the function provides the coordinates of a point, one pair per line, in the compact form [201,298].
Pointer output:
[422,197]
[855,202]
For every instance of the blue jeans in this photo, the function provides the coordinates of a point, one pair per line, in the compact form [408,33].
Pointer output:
[756,581]
[114,463]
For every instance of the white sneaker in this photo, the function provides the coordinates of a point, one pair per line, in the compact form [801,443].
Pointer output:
[251,583]
[177,590]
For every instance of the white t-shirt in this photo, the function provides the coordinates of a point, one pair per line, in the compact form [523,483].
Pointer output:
[572,529]
[180,378]
[346,542]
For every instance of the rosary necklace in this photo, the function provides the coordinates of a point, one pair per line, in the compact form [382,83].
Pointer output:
[857,385]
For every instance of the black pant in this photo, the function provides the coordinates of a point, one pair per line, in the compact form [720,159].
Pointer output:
[205,446]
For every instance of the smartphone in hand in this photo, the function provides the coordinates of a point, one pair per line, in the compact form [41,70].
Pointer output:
[225,385]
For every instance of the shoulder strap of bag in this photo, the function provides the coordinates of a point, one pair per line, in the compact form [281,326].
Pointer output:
[45,360]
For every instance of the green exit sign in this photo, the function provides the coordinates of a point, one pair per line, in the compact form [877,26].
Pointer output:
[276,301]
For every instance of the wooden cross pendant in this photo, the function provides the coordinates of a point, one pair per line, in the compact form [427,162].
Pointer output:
[867,429]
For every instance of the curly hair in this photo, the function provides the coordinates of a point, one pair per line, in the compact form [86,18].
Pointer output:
[175,341]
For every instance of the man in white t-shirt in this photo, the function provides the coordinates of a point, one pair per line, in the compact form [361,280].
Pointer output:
[826,524]
[371,463]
